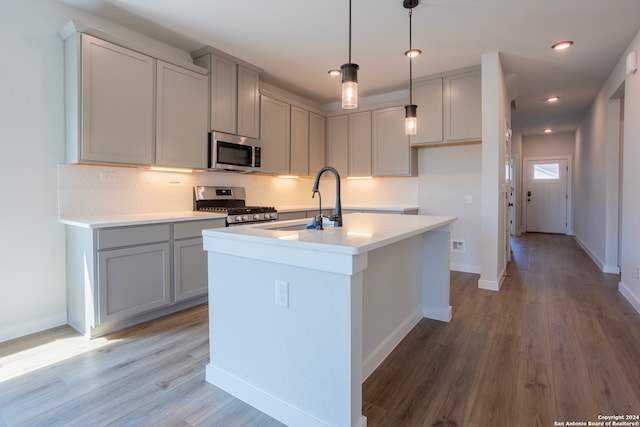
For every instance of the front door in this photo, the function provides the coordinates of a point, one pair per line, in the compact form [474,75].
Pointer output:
[546,196]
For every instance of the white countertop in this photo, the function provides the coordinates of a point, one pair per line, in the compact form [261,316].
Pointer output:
[360,233]
[312,207]
[152,218]
[138,219]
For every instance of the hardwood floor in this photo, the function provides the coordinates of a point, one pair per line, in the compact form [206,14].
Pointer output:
[557,343]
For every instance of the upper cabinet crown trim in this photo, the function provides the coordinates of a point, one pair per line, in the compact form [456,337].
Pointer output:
[136,42]
[208,49]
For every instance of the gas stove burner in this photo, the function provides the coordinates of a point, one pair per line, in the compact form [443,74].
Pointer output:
[231,201]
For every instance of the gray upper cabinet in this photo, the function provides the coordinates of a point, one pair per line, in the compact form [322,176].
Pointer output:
[182,106]
[127,108]
[392,155]
[463,107]
[427,96]
[299,141]
[115,103]
[338,143]
[248,102]
[276,135]
[234,95]
[449,108]
[224,99]
[317,142]
[360,144]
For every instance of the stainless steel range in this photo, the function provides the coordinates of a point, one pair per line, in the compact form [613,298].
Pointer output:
[231,201]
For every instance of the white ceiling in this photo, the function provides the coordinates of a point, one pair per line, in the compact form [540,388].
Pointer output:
[296,42]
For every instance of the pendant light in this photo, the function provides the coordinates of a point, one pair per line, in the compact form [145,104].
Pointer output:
[349,77]
[411,117]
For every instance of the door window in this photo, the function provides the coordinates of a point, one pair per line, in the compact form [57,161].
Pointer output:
[549,171]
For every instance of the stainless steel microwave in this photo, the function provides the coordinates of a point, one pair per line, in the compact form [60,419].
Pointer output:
[234,153]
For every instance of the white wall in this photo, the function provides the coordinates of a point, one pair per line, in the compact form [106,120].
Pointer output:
[447,175]
[32,121]
[596,175]
[555,144]
[630,250]
[495,119]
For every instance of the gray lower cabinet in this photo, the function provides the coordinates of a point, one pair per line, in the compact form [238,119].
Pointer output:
[122,276]
[133,280]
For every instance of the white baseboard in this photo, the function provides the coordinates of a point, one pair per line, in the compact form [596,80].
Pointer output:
[24,329]
[465,268]
[611,269]
[633,299]
[490,285]
[591,254]
[385,348]
[442,314]
[263,401]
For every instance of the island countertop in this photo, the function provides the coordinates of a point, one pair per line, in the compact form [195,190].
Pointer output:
[360,233]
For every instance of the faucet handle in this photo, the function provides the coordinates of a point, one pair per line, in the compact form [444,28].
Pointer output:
[336,218]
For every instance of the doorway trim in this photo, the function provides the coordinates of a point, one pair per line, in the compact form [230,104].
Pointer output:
[523,188]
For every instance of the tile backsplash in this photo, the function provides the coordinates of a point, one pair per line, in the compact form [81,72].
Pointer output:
[86,191]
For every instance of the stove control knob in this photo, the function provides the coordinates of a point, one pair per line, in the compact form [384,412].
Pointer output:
[238,218]
[267,216]
[256,216]
[245,217]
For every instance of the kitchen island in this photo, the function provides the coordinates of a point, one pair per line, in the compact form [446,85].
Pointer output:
[299,318]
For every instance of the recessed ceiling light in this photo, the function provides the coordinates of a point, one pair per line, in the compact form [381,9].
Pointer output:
[334,72]
[553,99]
[548,130]
[562,45]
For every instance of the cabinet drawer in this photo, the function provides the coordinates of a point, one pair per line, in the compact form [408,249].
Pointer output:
[189,229]
[129,236]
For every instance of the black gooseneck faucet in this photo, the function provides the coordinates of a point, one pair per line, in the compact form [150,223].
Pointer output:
[337,216]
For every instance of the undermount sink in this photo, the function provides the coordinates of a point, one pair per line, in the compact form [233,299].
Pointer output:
[276,226]
[288,227]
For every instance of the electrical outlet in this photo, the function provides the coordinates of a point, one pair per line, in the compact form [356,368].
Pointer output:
[638,273]
[107,177]
[282,293]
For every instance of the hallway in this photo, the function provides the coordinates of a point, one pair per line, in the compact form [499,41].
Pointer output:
[557,343]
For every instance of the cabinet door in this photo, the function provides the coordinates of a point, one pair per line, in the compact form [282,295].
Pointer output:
[181,117]
[275,133]
[248,102]
[463,112]
[360,144]
[391,151]
[189,269]
[133,280]
[317,142]
[427,96]
[337,143]
[299,141]
[224,97]
[117,104]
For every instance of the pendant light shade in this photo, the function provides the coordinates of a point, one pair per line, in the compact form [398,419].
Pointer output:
[411,119]
[411,110]
[349,78]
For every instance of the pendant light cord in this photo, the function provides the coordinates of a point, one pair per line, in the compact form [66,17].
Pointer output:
[349,31]
[410,62]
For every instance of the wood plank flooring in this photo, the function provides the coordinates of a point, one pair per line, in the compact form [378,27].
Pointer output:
[557,343]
